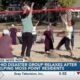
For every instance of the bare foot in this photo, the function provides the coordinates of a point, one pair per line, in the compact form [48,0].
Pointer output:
[28,58]
[71,53]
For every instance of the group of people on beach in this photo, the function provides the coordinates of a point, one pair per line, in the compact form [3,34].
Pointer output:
[28,35]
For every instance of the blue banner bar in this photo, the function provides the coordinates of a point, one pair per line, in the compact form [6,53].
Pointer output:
[39,66]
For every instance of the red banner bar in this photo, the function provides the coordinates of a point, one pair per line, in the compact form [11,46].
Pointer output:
[35,11]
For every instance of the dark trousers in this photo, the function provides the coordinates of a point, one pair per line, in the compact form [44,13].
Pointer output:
[65,41]
[20,40]
[26,44]
[34,38]
[48,45]
[72,40]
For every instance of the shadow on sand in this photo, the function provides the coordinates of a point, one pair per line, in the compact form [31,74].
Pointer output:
[40,52]
[70,57]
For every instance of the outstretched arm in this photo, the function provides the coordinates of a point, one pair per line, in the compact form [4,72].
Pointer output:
[64,18]
[32,7]
[37,24]
[25,8]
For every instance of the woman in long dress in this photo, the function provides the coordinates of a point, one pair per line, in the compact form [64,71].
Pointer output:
[48,40]
[13,32]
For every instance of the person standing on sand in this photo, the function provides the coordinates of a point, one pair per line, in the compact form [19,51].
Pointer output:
[13,32]
[48,39]
[73,33]
[34,32]
[26,19]
[67,34]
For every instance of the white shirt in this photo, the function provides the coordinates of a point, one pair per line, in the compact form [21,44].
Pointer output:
[6,32]
[19,34]
[34,32]
[69,30]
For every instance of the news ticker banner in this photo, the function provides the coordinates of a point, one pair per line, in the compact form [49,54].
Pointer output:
[39,70]
[39,66]
[26,75]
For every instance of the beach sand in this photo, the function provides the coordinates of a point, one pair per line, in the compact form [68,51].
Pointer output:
[37,52]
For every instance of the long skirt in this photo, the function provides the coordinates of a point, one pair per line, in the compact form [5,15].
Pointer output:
[48,44]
